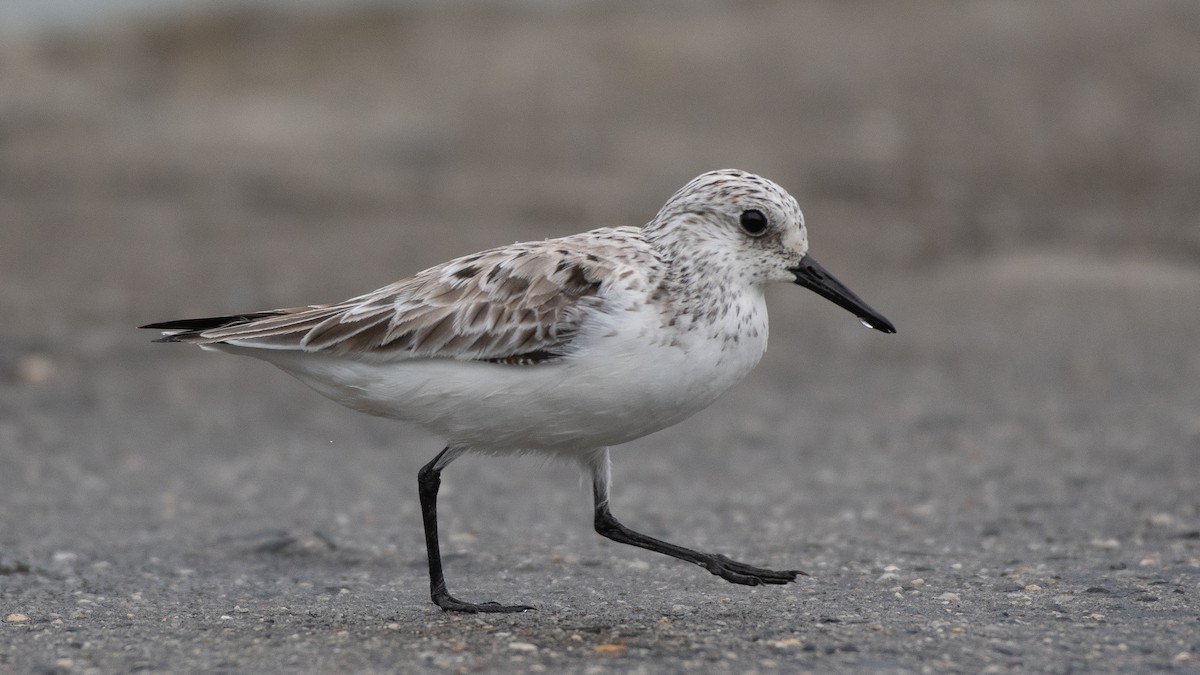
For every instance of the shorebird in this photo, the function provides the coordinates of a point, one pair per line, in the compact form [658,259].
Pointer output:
[565,346]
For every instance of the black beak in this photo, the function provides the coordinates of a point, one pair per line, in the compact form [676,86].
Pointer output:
[812,276]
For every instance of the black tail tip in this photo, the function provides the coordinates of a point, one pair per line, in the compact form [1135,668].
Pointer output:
[187,326]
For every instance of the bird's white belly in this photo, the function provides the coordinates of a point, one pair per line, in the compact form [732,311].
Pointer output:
[609,393]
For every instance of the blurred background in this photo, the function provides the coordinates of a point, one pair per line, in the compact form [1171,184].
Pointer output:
[912,133]
[1016,184]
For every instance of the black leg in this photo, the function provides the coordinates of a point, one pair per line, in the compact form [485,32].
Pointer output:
[430,479]
[729,570]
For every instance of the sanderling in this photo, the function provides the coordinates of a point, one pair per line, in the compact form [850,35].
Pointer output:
[565,346]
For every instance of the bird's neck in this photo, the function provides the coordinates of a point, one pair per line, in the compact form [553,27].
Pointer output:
[706,290]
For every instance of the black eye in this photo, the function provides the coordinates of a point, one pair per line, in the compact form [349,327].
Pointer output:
[754,222]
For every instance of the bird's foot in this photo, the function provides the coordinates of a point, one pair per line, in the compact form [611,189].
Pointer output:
[452,604]
[749,575]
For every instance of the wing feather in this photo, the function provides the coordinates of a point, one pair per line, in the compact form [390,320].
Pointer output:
[517,304]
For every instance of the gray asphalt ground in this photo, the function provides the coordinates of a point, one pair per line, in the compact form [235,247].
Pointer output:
[1010,484]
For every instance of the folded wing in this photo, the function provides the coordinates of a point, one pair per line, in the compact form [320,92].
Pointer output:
[519,304]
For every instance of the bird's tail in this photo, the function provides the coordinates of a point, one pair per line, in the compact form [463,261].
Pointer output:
[191,330]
